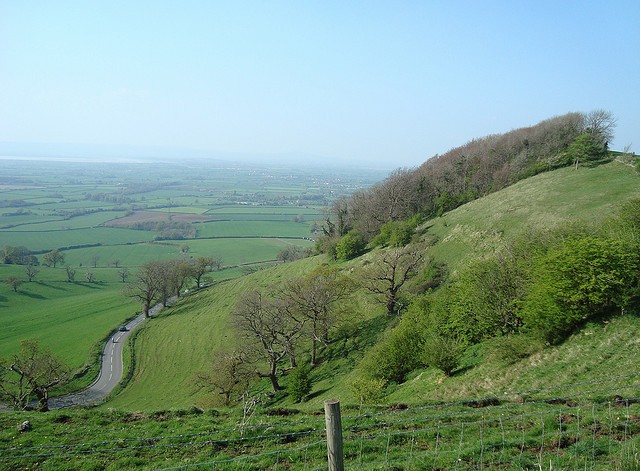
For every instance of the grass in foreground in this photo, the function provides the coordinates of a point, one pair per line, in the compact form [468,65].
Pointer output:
[573,433]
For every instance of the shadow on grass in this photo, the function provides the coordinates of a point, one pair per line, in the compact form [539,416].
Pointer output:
[595,163]
[31,295]
[52,286]
[357,337]
[92,285]
[317,393]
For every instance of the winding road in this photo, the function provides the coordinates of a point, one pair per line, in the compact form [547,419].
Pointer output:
[111,371]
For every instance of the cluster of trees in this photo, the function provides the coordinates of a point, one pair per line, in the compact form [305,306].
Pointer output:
[23,256]
[17,255]
[158,281]
[53,258]
[537,290]
[468,172]
[117,198]
[272,327]
[174,230]
[14,203]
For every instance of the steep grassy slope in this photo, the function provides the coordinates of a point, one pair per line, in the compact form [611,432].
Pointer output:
[599,352]
[543,201]
[171,349]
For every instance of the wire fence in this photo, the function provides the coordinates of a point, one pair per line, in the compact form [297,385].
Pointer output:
[581,426]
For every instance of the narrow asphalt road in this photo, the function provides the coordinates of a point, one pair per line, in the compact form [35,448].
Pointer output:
[111,371]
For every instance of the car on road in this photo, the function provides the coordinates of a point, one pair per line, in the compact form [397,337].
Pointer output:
[123,328]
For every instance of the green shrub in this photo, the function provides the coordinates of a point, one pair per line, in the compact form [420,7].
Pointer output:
[580,278]
[299,385]
[399,353]
[368,390]
[442,352]
[350,246]
[585,148]
[327,245]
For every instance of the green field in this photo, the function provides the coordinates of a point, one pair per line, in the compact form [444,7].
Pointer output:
[45,241]
[67,318]
[252,229]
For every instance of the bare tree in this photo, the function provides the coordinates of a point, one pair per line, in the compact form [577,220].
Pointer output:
[386,276]
[173,276]
[601,124]
[91,277]
[31,270]
[316,298]
[94,261]
[229,375]
[13,387]
[203,265]
[147,285]
[290,253]
[13,282]
[32,372]
[71,273]
[123,273]
[268,331]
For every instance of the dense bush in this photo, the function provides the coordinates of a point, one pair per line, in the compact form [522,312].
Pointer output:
[350,246]
[299,385]
[368,390]
[443,352]
[396,233]
[581,278]
[398,354]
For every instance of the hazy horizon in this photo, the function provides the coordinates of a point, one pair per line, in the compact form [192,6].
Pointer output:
[123,154]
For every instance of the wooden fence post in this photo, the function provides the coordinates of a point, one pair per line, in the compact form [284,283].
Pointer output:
[334,434]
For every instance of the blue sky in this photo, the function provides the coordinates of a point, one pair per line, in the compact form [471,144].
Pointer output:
[390,83]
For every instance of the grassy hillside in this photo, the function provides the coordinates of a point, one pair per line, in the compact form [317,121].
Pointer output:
[171,349]
[570,424]
[543,201]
